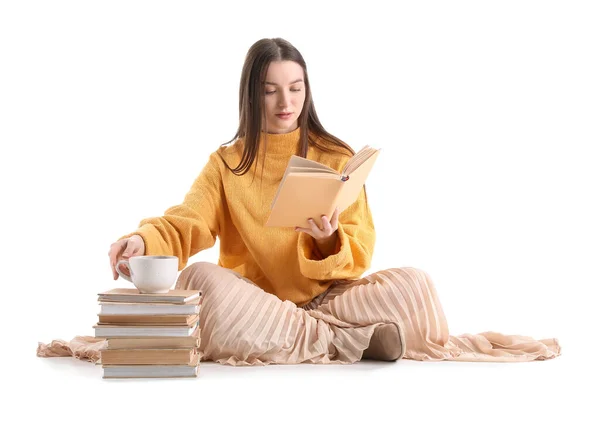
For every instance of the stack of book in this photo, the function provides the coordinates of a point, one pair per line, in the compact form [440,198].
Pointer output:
[149,335]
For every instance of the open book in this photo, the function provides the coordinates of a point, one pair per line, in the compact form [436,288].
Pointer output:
[310,189]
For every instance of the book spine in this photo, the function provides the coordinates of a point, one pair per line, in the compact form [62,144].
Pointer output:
[336,200]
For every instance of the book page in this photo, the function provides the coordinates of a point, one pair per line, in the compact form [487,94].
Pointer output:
[300,162]
[315,170]
[352,161]
[365,153]
[355,182]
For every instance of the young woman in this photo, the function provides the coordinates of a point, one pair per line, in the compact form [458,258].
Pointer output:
[283,295]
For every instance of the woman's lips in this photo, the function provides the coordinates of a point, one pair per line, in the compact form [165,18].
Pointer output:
[284,116]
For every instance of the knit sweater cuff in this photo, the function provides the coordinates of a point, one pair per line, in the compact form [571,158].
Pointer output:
[150,236]
[312,267]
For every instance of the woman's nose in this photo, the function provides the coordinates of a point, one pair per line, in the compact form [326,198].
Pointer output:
[284,99]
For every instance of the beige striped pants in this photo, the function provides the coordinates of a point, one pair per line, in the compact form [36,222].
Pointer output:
[243,325]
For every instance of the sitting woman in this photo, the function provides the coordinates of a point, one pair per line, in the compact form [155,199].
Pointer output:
[283,295]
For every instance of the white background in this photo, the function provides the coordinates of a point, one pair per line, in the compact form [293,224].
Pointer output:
[487,114]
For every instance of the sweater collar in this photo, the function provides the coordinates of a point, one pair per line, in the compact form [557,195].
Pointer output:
[284,144]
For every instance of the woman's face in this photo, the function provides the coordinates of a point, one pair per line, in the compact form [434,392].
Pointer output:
[284,93]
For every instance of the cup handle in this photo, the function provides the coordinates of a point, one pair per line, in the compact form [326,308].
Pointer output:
[123,275]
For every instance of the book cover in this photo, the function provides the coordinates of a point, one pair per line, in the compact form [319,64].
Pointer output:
[153,371]
[132,295]
[110,308]
[164,356]
[127,342]
[147,319]
[310,189]
[105,330]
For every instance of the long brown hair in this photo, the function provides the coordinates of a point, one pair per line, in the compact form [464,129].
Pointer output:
[252,104]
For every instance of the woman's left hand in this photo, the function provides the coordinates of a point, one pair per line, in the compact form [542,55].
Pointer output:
[325,234]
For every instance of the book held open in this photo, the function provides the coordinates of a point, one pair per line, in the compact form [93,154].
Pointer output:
[310,189]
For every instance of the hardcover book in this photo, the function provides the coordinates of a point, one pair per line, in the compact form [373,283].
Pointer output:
[106,330]
[153,371]
[141,342]
[132,295]
[310,189]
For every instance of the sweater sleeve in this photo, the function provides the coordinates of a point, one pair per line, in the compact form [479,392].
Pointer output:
[191,226]
[354,249]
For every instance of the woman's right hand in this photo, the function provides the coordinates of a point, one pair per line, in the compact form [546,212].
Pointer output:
[125,249]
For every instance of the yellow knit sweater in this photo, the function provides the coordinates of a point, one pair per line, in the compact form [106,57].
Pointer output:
[281,261]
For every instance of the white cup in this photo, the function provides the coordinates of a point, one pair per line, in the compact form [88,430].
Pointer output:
[151,274]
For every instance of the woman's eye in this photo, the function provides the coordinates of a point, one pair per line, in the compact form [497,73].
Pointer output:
[273,91]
